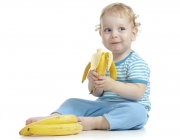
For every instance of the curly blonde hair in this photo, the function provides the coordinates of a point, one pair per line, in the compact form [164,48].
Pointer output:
[119,9]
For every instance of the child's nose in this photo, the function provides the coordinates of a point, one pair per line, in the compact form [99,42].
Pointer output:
[114,34]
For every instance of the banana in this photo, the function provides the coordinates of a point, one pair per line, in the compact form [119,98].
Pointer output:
[60,119]
[86,71]
[56,129]
[102,62]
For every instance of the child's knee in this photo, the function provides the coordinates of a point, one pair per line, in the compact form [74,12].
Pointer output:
[127,116]
[137,113]
[70,102]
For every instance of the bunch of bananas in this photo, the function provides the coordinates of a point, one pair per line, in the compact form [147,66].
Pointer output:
[53,126]
[102,62]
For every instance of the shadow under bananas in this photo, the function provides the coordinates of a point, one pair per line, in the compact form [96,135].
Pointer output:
[94,134]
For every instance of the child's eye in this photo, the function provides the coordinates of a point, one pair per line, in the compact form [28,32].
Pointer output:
[107,30]
[121,28]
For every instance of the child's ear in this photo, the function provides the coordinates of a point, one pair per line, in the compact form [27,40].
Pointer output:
[134,34]
[100,32]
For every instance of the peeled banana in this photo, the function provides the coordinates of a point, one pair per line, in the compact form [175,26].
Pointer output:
[102,62]
[54,120]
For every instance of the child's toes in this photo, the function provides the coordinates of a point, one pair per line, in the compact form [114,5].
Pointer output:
[28,121]
[34,120]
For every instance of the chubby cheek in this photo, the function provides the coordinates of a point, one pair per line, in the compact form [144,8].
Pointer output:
[105,41]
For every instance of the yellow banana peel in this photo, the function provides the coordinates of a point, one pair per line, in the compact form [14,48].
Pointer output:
[102,62]
[56,129]
[48,123]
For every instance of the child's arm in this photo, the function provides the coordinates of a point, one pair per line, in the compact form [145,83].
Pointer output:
[98,91]
[132,91]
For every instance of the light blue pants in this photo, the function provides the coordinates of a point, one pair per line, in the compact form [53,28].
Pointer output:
[120,115]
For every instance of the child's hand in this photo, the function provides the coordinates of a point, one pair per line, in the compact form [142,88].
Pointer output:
[104,82]
[92,76]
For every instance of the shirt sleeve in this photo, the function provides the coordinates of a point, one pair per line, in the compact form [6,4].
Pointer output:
[138,72]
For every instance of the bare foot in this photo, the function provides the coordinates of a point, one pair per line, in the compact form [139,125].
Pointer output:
[35,119]
[88,123]
[91,123]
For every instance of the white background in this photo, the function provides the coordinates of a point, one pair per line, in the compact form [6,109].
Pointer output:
[45,46]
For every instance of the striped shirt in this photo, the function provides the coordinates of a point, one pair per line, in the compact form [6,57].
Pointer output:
[132,69]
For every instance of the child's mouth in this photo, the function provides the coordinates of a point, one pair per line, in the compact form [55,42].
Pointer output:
[115,42]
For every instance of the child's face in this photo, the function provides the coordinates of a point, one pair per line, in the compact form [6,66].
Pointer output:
[117,34]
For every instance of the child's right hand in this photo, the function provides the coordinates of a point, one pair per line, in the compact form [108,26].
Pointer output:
[92,76]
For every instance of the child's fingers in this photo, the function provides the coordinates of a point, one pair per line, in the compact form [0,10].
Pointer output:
[99,82]
[94,73]
[92,78]
[101,77]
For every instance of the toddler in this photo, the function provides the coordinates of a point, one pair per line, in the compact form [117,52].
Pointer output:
[122,104]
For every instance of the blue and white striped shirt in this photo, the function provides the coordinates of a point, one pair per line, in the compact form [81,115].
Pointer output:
[132,69]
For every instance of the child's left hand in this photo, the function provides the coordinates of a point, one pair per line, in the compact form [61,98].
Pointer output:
[104,82]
